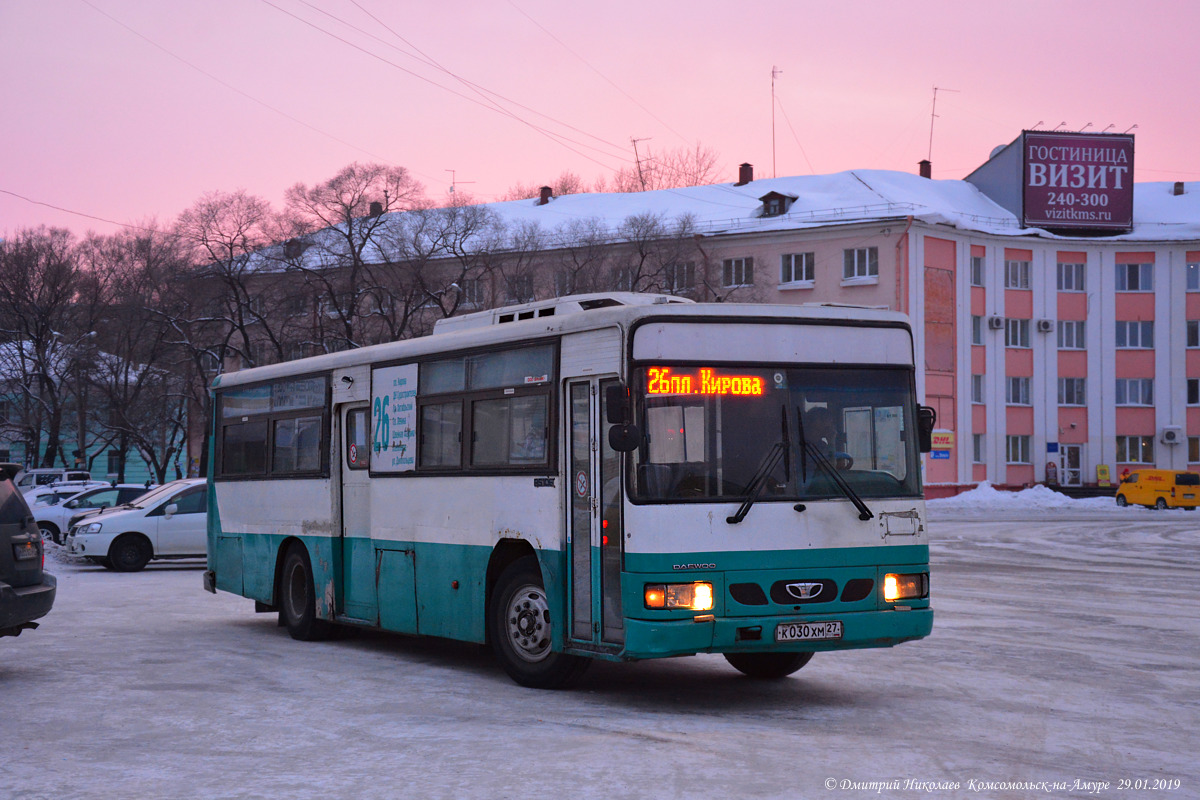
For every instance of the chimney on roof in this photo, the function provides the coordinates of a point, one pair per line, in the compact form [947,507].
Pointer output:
[745,174]
[925,168]
[545,195]
[1178,188]
[376,208]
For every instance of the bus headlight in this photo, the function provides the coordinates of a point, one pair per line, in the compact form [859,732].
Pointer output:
[905,587]
[691,596]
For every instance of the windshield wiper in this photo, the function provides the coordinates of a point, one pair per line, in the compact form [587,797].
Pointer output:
[864,513]
[807,447]
[778,450]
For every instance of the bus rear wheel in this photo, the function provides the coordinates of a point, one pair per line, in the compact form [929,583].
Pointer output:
[297,599]
[520,624]
[767,666]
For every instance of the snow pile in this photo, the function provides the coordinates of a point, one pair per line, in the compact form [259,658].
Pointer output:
[985,498]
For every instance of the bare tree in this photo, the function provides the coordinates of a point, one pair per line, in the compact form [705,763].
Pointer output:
[667,169]
[345,215]
[41,325]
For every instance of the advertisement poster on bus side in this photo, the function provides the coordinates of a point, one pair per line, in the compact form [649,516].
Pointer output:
[394,418]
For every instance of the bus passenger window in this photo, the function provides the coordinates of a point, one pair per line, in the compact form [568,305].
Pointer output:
[358,454]
[244,448]
[441,435]
[297,445]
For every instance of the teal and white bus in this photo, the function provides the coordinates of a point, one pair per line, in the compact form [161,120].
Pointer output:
[615,477]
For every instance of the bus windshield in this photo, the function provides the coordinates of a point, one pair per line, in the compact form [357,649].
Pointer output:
[707,432]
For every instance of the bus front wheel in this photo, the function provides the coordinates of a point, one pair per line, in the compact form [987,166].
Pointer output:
[297,600]
[768,666]
[520,623]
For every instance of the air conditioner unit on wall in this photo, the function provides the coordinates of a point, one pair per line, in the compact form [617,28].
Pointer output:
[1171,434]
[1045,326]
[995,323]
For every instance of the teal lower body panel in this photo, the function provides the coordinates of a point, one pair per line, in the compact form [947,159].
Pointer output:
[658,638]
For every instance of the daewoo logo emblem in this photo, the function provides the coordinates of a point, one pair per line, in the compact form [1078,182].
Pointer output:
[803,591]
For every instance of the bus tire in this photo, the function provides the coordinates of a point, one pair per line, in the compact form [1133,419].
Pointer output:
[519,618]
[297,598]
[1161,504]
[767,666]
[130,553]
[1121,501]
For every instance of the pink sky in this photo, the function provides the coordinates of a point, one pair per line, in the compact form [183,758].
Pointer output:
[101,121]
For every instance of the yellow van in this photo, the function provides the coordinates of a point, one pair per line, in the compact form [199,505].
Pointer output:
[1160,488]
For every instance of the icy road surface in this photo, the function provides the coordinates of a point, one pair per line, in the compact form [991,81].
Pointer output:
[1064,649]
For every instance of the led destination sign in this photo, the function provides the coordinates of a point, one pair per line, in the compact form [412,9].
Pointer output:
[664,380]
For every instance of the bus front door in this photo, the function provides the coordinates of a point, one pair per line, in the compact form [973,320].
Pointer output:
[594,531]
[359,598]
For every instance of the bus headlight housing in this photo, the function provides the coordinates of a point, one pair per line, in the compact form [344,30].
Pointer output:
[905,587]
[696,596]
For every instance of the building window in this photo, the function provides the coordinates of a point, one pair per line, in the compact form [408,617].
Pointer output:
[977,270]
[1071,334]
[472,293]
[1135,335]
[1016,391]
[1016,274]
[1193,333]
[680,277]
[520,288]
[1135,391]
[797,267]
[976,330]
[1016,333]
[977,448]
[113,467]
[1193,276]
[1193,391]
[1070,277]
[976,388]
[1193,449]
[1072,391]
[861,262]
[1135,277]
[1135,449]
[1017,449]
[738,272]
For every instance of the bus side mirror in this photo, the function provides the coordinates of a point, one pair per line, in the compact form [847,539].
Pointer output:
[926,419]
[623,436]
[618,404]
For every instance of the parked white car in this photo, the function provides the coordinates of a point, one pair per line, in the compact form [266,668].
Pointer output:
[54,493]
[52,518]
[169,522]
[30,478]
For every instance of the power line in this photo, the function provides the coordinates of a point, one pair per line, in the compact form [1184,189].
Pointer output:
[557,138]
[230,86]
[78,213]
[586,63]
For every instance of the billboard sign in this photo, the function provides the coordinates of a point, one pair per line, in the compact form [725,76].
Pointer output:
[1077,181]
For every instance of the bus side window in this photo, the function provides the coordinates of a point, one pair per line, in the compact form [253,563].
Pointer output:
[358,454]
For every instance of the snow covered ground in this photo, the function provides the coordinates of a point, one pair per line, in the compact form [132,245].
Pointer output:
[1066,647]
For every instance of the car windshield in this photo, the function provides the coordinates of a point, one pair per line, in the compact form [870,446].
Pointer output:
[707,431]
[154,495]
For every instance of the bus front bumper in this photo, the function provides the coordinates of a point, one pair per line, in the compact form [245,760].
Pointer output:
[707,634]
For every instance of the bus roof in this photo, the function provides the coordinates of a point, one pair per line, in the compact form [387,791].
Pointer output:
[530,321]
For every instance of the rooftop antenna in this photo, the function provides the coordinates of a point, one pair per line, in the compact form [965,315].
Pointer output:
[1127,130]
[775,71]
[637,159]
[1085,127]
[453,181]
[1059,125]
[1035,126]
[1110,125]
[932,117]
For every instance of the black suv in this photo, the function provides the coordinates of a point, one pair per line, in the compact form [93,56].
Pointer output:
[26,591]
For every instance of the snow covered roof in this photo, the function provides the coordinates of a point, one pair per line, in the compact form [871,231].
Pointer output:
[821,201]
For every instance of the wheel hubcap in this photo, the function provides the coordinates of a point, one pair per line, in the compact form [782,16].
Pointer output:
[528,623]
[297,597]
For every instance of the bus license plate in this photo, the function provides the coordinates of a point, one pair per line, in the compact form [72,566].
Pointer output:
[808,631]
